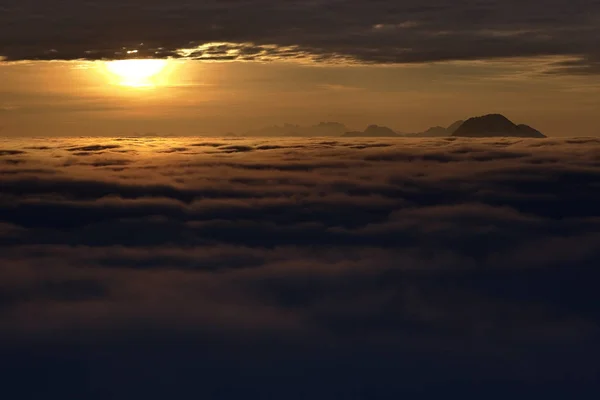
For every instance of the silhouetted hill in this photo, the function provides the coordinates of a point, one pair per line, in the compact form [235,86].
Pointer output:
[491,125]
[527,129]
[373,131]
[495,125]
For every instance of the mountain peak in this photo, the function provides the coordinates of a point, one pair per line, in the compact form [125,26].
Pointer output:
[376,130]
[494,125]
[373,131]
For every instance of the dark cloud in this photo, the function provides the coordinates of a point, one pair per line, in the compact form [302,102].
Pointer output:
[369,268]
[380,31]
[236,149]
[11,152]
[94,148]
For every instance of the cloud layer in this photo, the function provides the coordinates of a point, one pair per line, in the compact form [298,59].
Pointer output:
[381,31]
[371,268]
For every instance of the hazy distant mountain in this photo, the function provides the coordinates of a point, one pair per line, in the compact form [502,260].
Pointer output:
[485,126]
[321,129]
[373,131]
[437,131]
[452,128]
[329,129]
[495,125]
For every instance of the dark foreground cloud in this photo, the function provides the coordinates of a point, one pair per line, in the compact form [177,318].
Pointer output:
[295,268]
[381,31]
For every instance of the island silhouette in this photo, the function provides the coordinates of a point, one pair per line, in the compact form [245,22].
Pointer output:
[490,125]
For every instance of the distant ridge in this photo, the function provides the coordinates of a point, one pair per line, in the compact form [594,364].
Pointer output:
[491,125]
[452,128]
[437,131]
[373,131]
[495,125]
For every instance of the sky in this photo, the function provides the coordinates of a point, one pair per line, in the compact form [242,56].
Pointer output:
[239,65]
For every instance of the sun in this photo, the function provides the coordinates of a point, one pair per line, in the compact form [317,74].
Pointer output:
[137,73]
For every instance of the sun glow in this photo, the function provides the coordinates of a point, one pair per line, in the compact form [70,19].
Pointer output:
[137,73]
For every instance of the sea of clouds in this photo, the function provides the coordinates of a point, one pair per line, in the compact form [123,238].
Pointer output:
[298,268]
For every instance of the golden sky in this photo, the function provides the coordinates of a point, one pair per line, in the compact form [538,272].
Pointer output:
[196,97]
[408,65]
